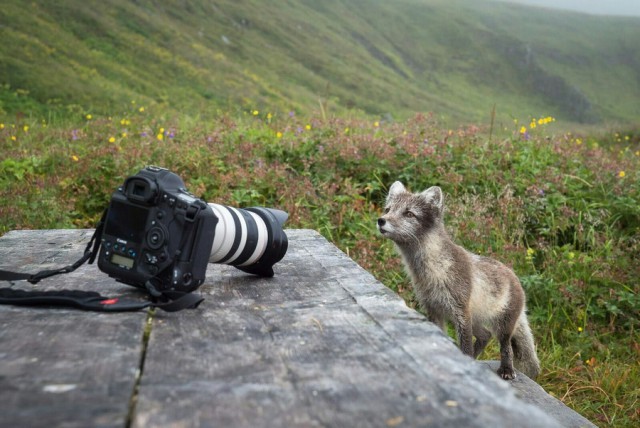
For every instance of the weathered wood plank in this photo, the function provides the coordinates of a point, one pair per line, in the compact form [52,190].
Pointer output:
[64,367]
[320,344]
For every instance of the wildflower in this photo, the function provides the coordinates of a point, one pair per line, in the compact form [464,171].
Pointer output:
[74,135]
[292,114]
[255,112]
[112,139]
[141,109]
[532,125]
[124,135]
[376,124]
[308,127]
[523,130]
[269,116]
[621,174]
[160,136]
[530,253]
[1,125]
[75,158]
[25,128]
[161,131]
[89,117]
[579,329]
[279,134]
[578,141]
[346,130]
[571,255]
[638,153]
[13,138]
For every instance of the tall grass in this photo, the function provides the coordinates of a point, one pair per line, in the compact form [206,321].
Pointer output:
[563,210]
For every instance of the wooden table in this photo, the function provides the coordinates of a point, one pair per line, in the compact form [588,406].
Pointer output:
[322,343]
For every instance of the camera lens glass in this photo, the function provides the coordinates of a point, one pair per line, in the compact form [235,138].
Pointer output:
[251,239]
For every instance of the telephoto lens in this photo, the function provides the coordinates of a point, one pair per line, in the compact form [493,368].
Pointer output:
[251,239]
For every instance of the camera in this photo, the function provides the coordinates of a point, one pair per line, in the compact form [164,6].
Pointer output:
[158,236]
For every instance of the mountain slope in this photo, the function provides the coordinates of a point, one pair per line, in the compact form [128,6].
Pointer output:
[455,58]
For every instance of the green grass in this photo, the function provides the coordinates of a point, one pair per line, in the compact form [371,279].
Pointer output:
[456,58]
[562,209]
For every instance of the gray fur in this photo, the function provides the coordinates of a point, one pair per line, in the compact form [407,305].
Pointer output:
[479,295]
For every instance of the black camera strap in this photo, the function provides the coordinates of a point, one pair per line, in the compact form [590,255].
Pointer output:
[169,301]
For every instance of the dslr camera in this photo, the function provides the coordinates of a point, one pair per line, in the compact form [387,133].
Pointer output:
[158,236]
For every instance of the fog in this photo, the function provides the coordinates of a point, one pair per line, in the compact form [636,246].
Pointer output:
[597,7]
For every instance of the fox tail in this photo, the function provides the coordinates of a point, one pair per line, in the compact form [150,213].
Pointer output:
[525,358]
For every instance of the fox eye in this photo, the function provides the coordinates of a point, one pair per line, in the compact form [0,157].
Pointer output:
[386,210]
[409,214]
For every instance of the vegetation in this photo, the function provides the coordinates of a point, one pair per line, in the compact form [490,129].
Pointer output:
[223,93]
[457,58]
[562,209]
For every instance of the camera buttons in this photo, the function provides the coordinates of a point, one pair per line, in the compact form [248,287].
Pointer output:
[155,238]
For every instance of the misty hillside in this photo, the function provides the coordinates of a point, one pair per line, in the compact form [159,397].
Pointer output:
[455,58]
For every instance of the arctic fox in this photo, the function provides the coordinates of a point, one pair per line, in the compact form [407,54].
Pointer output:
[480,296]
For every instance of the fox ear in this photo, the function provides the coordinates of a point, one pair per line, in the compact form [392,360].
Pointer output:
[395,189]
[434,196]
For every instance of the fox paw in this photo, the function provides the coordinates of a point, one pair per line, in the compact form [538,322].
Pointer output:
[506,373]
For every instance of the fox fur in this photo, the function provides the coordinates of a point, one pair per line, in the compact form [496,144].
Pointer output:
[479,295]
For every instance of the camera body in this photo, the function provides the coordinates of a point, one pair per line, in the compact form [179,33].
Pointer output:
[156,231]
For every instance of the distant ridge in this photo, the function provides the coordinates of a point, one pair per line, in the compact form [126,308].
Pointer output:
[454,58]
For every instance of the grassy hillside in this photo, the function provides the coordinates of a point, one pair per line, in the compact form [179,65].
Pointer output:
[455,58]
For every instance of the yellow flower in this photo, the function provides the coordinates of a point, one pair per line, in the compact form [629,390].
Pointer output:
[269,116]
[89,117]
[638,153]
[124,135]
[1,125]
[376,124]
[255,112]
[579,329]
[141,109]
[75,158]
[161,130]
[578,141]
[26,128]
[532,125]
[346,130]
[523,130]
[279,134]
[160,136]
[621,174]
[13,138]
[308,127]
[112,139]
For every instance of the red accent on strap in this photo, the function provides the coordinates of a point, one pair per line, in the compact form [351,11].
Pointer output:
[109,302]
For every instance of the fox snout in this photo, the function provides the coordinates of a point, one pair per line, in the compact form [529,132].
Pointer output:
[382,222]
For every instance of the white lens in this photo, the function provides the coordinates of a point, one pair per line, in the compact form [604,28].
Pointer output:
[261,243]
[241,236]
[224,235]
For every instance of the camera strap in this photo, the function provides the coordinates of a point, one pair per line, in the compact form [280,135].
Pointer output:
[169,301]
